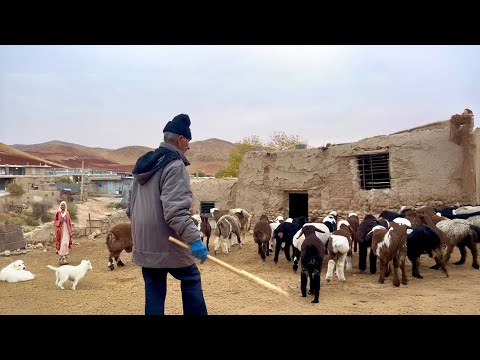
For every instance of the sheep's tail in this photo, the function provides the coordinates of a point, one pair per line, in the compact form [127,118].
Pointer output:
[52,267]
[109,236]
[261,236]
[217,230]
[476,229]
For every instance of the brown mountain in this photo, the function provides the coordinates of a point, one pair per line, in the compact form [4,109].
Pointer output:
[207,156]
[13,156]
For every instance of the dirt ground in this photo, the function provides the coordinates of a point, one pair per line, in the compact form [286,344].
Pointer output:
[122,291]
[96,206]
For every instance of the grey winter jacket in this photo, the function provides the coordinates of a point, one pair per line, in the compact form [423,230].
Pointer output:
[158,207]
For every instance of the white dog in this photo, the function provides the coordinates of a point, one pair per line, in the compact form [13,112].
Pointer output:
[72,273]
[15,272]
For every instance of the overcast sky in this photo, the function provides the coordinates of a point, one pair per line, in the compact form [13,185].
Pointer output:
[115,96]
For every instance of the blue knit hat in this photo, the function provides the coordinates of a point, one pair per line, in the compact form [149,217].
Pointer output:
[180,125]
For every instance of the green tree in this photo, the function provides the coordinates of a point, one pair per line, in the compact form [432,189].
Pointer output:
[282,141]
[65,179]
[235,157]
[278,141]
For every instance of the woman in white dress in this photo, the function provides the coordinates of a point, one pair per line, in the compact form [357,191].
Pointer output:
[63,239]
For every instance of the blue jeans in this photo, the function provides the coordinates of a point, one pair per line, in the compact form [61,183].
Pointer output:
[190,284]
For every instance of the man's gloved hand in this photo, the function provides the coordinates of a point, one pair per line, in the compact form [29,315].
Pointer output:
[199,250]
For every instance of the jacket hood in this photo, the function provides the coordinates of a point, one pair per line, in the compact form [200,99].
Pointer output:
[151,162]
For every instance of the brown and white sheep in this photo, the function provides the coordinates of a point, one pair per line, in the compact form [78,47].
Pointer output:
[345,230]
[244,216]
[245,219]
[227,225]
[354,221]
[119,238]
[391,245]
[217,213]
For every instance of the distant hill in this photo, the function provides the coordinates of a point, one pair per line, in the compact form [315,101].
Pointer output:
[13,156]
[207,156]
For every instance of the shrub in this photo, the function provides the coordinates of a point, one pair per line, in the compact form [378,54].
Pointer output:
[72,209]
[17,220]
[65,179]
[47,217]
[40,209]
[12,206]
[31,221]
[15,189]
[200,174]
[5,218]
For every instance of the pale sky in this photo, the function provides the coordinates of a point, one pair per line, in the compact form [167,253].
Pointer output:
[115,96]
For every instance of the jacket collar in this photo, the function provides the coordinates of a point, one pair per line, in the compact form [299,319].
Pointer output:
[174,148]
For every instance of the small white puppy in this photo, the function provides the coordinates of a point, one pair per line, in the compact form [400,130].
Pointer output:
[72,273]
[15,272]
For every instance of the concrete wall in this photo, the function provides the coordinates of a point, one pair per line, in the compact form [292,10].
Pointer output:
[43,182]
[36,171]
[425,167]
[220,191]
[109,187]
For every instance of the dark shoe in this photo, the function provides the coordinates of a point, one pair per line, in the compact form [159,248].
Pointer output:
[314,301]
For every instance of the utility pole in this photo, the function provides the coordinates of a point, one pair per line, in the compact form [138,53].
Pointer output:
[81,185]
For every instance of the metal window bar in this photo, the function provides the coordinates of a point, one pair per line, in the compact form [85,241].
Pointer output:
[205,207]
[374,171]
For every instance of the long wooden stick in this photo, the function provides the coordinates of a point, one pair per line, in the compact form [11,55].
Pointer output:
[242,273]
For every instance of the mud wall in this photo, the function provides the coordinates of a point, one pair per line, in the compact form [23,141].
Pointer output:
[426,167]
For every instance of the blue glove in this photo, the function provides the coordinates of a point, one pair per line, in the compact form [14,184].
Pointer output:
[199,250]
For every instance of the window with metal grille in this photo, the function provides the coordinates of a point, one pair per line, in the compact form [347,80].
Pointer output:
[374,171]
[205,207]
